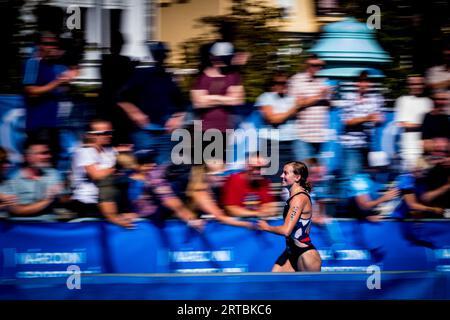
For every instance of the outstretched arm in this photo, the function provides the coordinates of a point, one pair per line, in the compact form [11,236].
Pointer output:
[182,212]
[413,204]
[429,196]
[238,211]
[206,203]
[365,203]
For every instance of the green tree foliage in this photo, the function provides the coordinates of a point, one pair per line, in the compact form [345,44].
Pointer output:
[412,32]
[255,31]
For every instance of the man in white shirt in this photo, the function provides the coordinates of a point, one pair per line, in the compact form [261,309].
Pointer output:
[409,113]
[438,77]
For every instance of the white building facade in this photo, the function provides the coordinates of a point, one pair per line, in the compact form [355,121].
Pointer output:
[99,18]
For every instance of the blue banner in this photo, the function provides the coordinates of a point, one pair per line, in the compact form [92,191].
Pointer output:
[43,250]
[47,249]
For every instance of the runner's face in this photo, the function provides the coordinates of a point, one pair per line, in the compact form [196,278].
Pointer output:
[288,177]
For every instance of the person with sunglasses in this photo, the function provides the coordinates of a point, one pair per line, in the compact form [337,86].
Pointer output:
[92,163]
[247,193]
[313,98]
[361,113]
[46,87]
[279,109]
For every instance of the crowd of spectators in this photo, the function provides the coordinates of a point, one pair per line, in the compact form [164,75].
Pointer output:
[121,170]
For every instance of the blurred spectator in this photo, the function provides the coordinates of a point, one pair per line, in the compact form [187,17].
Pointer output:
[139,193]
[412,187]
[312,94]
[113,199]
[361,112]
[205,181]
[364,189]
[4,165]
[72,45]
[37,186]
[46,89]
[247,193]
[320,192]
[6,200]
[437,183]
[115,71]
[438,77]
[217,91]
[436,126]
[155,191]
[92,162]
[279,111]
[226,35]
[154,103]
[410,111]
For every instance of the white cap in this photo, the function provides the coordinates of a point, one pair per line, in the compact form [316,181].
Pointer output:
[378,159]
[222,49]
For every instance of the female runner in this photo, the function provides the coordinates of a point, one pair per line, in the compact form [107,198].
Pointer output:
[300,254]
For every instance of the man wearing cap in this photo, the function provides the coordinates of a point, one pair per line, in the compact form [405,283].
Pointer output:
[216,91]
[154,103]
[312,94]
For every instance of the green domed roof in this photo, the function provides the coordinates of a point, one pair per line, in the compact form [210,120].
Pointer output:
[348,44]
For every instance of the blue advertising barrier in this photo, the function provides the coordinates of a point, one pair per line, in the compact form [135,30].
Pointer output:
[223,262]
[30,250]
[42,250]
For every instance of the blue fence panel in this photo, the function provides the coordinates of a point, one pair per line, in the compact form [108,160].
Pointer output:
[47,249]
[31,250]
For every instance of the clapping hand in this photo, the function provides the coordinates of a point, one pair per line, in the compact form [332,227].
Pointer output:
[391,194]
[7,200]
[54,191]
[263,225]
